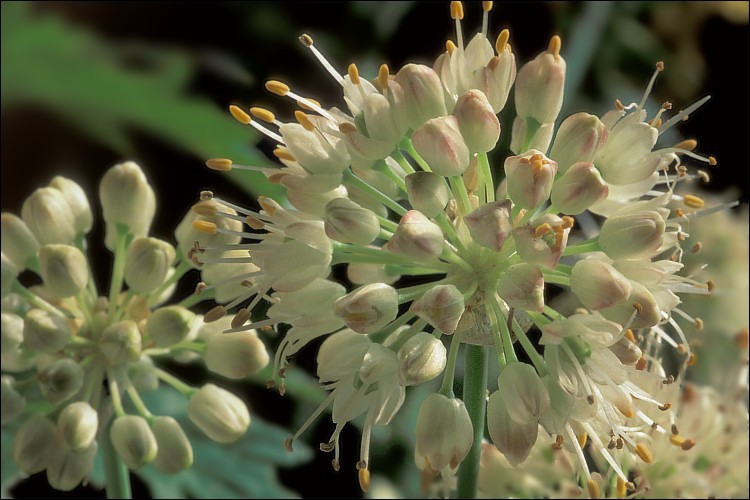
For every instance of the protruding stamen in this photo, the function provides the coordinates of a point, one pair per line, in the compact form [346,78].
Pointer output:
[644,453]
[263,114]
[240,318]
[650,86]
[288,444]
[704,176]
[486,7]
[283,154]
[277,87]
[307,41]
[199,288]
[502,41]
[364,478]
[450,46]
[219,164]
[688,144]
[541,230]
[205,209]
[693,201]
[555,44]
[206,195]
[593,488]
[353,73]
[239,115]
[710,285]
[712,161]
[621,488]
[384,76]
[582,438]
[204,226]
[457,13]
[254,222]
[682,114]
[214,314]
[568,222]
[692,359]
[304,120]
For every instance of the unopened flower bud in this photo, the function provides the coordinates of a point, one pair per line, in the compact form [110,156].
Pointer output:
[511,438]
[64,269]
[442,307]
[598,285]
[377,363]
[236,355]
[61,380]
[44,331]
[642,302]
[540,84]
[341,354]
[32,442]
[525,136]
[420,359]
[13,403]
[626,351]
[477,121]
[77,425]
[578,188]
[347,222]
[490,224]
[8,276]
[147,264]
[315,203]
[18,242]
[423,95]
[142,374]
[67,468]
[133,441]
[522,286]
[427,192]
[365,273]
[525,396]
[444,434]
[219,413]
[368,308]
[417,237]
[578,139]
[632,236]
[530,178]
[47,214]
[500,74]
[169,325]
[12,332]
[174,452]
[79,203]
[440,143]
[127,199]
[121,342]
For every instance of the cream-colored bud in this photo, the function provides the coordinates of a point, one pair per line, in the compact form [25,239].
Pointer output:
[368,308]
[341,354]
[542,241]
[578,140]
[236,355]
[530,178]
[44,331]
[61,380]
[133,441]
[147,264]
[626,351]
[365,273]
[174,452]
[632,236]
[420,359]
[121,342]
[641,301]
[525,396]
[499,79]
[347,222]
[142,374]
[67,468]
[79,203]
[444,434]
[511,438]
[417,237]
[77,425]
[423,95]
[378,363]
[12,332]
[219,413]
[18,242]
[598,285]
[578,188]
[540,87]
[127,199]
[477,121]
[169,325]
[13,403]
[31,445]
[525,136]
[490,224]
[522,286]
[440,143]
[8,277]
[49,217]
[442,307]
[427,192]
[64,269]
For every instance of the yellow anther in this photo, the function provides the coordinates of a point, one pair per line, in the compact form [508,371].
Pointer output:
[693,201]
[277,87]
[660,66]
[306,40]
[676,440]
[204,226]
[200,288]
[644,453]
[304,105]
[219,164]
[681,349]
[502,41]
[698,324]
[679,213]
[621,488]
[353,74]
[593,488]
[347,128]
[304,120]
[487,6]
[240,318]
[692,359]
[263,114]
[541,230]
[656,122]
[619,105]
[254,222]
[582,439]
[712,161]
[283,154]
[568,222]
[687,144]
[555,44]
[214,314]
[364,479]
[384,76]
[239,115]
[457,10]
[450,46]
[267,205]
[205,208]
[629,335]
[627,411]
[288,444]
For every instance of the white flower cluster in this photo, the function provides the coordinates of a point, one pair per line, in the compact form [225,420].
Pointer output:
[398,187]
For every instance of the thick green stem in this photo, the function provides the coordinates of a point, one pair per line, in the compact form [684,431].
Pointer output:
[117,478]
[591,245]
[475,399]
[373,193]
[459,191]
[485,172]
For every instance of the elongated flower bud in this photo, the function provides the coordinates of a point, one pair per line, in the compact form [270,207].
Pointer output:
[127,199]
[60,381]
[441,306]
[444,434]
[236,355]
[79,203]
[543,241]
[417,237]
[578,140]
[219,413]
[540,84]
[147,264]
[598,285]
[169,325]
[530,178]
[526,398]
[9,275]
[440,143]
[67,468]
[47,214]
[174,452]
[640,300]
[579,188]
[44,331]
[525,136]
[427,193]
[513,439]
[13,403]
[133,441]
[121,343]
[77,425]
[64,269]
[423,95]
[31,444]
[477,121]
[142,374]
[18,242]
[490,224]
[632,236]
[522,286]
[420,359]
[347,222]
[12,332]
[368,308]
